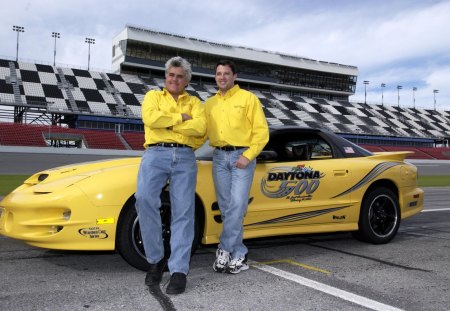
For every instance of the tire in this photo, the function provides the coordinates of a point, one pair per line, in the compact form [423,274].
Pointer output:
[129,240]
[379,217]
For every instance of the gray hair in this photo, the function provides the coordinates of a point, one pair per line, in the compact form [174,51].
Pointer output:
[178,61]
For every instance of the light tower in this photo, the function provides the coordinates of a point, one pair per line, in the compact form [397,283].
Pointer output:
[434,95]
[365,91]
[399,87]
[55,35]
[18,29]
[383,85]
[89,41]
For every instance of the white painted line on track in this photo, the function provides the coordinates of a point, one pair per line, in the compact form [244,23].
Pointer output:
[436,210]
[360,300]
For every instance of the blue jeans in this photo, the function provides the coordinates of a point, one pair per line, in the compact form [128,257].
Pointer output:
[158,165]
[232,186]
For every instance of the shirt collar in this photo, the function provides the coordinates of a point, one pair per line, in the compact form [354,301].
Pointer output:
[166,93]
[230,92]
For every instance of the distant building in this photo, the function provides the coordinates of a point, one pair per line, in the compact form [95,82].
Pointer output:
[143,51]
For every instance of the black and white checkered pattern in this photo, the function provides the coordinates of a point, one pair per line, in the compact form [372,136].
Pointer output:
[69,90]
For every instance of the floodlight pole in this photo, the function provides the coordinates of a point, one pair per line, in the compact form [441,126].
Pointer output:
[399,87]
[382,95]
[18,29]
[365,91]
[89,41]
[55,35]
[434,94]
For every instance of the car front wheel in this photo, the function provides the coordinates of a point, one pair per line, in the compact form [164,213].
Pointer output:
[379,217]
[129,240]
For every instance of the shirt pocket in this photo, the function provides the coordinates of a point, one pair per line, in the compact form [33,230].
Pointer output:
[237,115]
[186,108]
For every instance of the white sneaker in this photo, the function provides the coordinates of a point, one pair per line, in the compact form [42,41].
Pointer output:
[222,260]
[237,265]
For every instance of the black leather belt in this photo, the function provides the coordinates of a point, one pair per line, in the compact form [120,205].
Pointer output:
[169,145]
[231,148]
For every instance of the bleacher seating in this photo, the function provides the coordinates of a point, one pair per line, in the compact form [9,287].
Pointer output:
[67,90]
[134,139]
[418,154]
[96,139]
[440,153]
[437,153]
[372,148]
[15,134]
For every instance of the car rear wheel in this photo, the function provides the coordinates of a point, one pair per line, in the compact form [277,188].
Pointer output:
[129,239]
[379,217]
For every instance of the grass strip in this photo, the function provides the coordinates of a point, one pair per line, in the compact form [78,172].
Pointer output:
[10,182]
[434,181]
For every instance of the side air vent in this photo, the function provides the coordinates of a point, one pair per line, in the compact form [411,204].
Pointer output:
[42,177]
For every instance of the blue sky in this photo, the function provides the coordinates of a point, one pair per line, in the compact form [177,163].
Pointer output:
[396,42]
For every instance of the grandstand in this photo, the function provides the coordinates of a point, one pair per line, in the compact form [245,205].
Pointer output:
[141,51]
[43,105]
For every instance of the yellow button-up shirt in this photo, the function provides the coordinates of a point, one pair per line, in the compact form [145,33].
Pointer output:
[162,119]
[237,119]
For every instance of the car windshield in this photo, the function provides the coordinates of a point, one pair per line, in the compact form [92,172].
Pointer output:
[295,147]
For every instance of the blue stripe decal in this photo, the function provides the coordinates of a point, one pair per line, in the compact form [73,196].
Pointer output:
[374,173]
[297,217]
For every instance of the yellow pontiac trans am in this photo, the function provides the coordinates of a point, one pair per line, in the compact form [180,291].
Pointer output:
[306,181]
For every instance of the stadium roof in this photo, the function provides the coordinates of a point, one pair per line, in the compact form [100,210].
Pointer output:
[139,33]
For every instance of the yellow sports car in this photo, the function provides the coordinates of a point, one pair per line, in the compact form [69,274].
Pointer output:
[306,181]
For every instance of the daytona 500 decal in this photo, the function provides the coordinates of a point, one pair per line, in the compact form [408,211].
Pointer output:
[295,183]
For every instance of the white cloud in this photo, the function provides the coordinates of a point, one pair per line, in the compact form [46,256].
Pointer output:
[400,42]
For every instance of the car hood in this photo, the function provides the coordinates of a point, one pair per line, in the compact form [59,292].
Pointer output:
[79,171]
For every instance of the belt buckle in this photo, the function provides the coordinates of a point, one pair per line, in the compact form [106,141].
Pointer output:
[172,145]
[228,148]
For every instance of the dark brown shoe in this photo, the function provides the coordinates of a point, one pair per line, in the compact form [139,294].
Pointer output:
[155,272]
[177,284]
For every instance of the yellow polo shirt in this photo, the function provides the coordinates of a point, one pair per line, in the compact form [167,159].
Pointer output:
[162,119]
[237,119]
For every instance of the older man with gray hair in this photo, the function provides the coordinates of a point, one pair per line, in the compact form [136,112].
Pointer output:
[175,125]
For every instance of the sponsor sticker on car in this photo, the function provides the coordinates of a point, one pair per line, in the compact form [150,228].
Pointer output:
[294,183]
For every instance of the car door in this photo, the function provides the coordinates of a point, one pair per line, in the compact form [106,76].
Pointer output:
[304,187]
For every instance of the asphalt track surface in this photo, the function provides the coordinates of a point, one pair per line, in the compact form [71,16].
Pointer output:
[308,272]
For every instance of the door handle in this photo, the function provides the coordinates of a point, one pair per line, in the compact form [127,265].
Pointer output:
[340,173]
